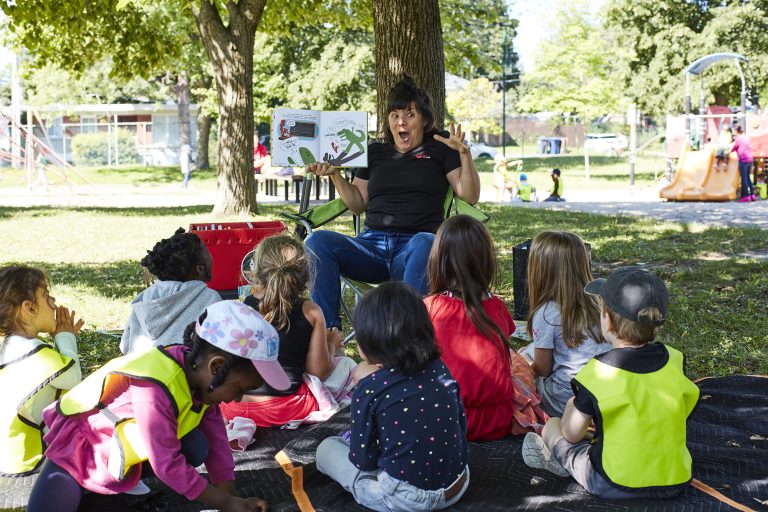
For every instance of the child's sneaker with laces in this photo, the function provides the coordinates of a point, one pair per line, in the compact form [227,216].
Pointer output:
[537,455]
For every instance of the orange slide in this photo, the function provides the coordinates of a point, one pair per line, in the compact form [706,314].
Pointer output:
[698,179]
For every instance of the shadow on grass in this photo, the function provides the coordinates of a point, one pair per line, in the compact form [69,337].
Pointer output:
[120,280]
[42,211]
[147,175]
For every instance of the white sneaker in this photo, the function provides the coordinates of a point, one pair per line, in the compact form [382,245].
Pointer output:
[140,489]
[537,455]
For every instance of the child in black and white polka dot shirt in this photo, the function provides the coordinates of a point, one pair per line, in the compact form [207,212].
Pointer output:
[407,448]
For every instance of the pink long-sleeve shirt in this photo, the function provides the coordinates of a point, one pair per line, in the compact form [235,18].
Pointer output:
[742,149]
[80,443]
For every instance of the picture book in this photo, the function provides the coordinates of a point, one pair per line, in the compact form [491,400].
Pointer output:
[301,137]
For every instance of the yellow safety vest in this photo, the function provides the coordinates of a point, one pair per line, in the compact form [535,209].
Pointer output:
[525,191]
[631,451]
[762,190]
[21,440]
[560,187]
[155,365]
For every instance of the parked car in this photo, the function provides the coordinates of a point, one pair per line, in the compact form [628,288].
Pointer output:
[480,150]
[606,143]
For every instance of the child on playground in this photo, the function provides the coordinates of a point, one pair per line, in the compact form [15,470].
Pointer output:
[524,190]
[161,313]
[472,328]
[637,394]
[33,373]
[281,277]
[407,450]
[761,188]
[502,176]
[556,192]
[564,321]
[160,407]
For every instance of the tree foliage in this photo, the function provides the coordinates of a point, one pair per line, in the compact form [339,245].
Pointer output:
[477,106]
[663,37]
[575,67]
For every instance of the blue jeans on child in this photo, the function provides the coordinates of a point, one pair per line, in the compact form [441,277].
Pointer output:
[56,489]
[372,256]
[376,489]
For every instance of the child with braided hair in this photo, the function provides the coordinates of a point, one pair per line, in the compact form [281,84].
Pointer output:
[156,412]
[160,313]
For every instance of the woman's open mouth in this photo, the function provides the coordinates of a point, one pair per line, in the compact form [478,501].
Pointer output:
[404,136]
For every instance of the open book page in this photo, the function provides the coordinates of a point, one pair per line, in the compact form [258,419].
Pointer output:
[295,137]
[300,137]
[344,138]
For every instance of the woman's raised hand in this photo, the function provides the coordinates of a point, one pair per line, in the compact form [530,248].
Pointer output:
[322,169]
[455,140]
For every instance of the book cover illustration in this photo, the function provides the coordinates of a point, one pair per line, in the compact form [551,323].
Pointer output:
[300,137]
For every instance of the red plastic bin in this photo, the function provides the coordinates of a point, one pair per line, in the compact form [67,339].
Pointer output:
[228,243]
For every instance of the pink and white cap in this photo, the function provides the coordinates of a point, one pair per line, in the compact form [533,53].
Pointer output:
[240,330]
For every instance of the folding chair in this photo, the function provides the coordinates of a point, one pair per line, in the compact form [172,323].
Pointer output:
[308,219]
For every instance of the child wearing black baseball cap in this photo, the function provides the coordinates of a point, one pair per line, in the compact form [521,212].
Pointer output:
[637,395]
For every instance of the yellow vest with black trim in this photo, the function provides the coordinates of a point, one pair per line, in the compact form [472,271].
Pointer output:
[762,190]
[21,439]
[525,191]
[641,423]
[156,366]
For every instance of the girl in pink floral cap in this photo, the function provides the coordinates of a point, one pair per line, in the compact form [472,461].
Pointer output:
[156,412]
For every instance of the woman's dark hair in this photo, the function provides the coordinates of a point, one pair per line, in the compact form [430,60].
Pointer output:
[173,259]
[402,94]
[199,349]
[17,284]
[394,330]
[470,273]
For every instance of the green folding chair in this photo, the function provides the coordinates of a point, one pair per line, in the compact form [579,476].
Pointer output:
[308,219]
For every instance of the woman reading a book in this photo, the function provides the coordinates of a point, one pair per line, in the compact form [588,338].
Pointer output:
[402,192]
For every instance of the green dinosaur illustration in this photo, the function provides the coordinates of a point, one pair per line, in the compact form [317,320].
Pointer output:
[354,140]
[307,156]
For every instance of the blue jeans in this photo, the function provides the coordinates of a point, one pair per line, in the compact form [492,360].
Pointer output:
[376,489]
[372,257]
[745,168]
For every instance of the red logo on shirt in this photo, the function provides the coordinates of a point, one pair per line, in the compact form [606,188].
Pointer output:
[423,155]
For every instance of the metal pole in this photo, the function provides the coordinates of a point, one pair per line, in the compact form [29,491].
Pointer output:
[632,118]
[117,143]
[504,95]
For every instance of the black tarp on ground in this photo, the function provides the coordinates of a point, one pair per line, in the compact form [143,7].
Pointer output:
[726,436]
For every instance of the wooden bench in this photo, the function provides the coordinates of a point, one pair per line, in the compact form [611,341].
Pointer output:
[270,184]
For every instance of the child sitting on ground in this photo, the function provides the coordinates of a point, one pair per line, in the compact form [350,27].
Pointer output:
[281,276]
[407,450]
[524,190]
[556,192]
[761,188]
[564,322]
[160,407]
[637,395]
[33,373]
[161,313]
[472,328]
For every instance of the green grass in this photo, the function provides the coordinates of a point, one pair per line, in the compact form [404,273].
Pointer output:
[718,315]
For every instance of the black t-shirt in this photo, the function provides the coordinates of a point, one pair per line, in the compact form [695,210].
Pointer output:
[406,191]
[646,359]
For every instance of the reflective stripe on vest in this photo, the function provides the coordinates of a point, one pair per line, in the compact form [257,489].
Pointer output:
[155,365]
[525,191]
[631,451]
[21,440]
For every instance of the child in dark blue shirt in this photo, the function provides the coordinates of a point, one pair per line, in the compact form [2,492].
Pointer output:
[407,448]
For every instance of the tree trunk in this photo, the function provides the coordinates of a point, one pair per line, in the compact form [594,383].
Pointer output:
[203,139]
[409,39]
[182,99]
[230,50]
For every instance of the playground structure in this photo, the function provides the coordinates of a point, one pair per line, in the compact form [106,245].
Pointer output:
[692,138]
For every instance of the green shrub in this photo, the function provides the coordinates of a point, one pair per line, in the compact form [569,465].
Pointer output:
[93,148]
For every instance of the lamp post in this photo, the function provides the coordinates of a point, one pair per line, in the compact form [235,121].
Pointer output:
[504,95]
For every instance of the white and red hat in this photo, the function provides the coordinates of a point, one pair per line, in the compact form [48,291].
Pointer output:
[240,330]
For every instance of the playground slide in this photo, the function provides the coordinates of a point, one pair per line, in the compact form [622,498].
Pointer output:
[697,178]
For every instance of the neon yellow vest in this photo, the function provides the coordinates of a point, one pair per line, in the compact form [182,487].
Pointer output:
[762,190]
[632,451]
[525,191]
[21,440]
[155,365]
[560,187]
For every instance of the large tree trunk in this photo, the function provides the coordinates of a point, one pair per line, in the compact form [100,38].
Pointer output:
[203,139]
[182,95]
[409,39]
[230,50]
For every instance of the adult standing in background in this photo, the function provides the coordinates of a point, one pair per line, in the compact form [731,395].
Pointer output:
[741,147]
